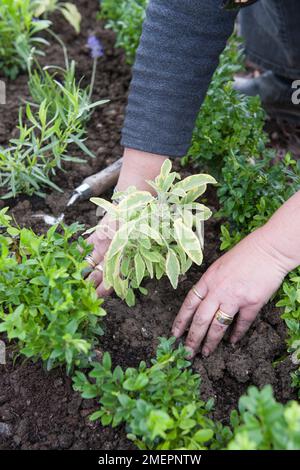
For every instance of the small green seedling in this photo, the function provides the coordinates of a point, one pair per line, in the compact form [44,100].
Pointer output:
[157,235]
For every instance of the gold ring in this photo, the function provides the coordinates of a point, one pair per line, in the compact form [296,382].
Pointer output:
[89,259]
[223,317]
[197,293]
[99,268]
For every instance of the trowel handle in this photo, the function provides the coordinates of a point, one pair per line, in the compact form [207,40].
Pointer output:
[105,179]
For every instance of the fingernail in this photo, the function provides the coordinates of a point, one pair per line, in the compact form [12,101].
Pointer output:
[205,352]
[190,352]
[175,332]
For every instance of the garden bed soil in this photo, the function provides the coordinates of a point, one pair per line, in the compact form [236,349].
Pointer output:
[39,409]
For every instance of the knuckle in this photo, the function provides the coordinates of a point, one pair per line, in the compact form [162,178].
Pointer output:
[254,298]
[238,334]
[241,327]
[208,276]
[178,324]
[188,302]
[192,339]
[244,322]
[218,329]
[199,322]
[210,342]
[215,335]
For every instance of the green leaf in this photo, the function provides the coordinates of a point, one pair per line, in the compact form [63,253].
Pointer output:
[14,232]
[203,435]
[106,361]
[130,298]
[172,268]
[151,255]
[133,384]
[72,15]
[96,415]
[150,233]
[81,145]
[139,268]
[118,374]
[106,205]
[106,419]
[120,239]
[188,242]
[193,182]
[165,169]
[134,202]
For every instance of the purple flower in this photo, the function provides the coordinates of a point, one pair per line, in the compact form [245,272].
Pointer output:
[95,46]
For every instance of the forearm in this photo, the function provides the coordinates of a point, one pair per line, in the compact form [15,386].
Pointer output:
[178,53]
[282,233]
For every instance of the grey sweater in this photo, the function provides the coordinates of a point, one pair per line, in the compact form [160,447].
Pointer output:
[177,56]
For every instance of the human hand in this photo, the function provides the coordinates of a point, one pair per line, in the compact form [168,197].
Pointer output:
[100,240]
[238,284]
[137,168]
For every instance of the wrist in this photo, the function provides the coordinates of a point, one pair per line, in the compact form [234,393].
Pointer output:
[282,233]
[138,167]
[275,246]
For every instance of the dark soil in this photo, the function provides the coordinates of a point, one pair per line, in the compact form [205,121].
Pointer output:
[39,410]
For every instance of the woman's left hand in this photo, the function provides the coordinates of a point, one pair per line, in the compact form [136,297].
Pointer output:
[239,283]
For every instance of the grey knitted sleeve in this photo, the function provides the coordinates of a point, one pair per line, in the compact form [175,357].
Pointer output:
[178,53]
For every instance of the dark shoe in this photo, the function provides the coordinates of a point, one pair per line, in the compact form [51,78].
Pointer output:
[275,93]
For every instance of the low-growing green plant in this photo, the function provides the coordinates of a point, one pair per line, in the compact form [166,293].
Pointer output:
[162,408]
[251,190]
[56,119]
[289,300]
[19,40]
[228,122]
[68,10]
[160,404]
[45,304]
[157,235]
[125,18]
[264,424]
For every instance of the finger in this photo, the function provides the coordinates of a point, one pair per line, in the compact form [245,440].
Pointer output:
[96,276]
[200,324]
[102,292]
[244,320]
[99,248]
[188,308]
[217,329]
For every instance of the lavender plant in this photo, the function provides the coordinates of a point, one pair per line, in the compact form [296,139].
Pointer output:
[55,119]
